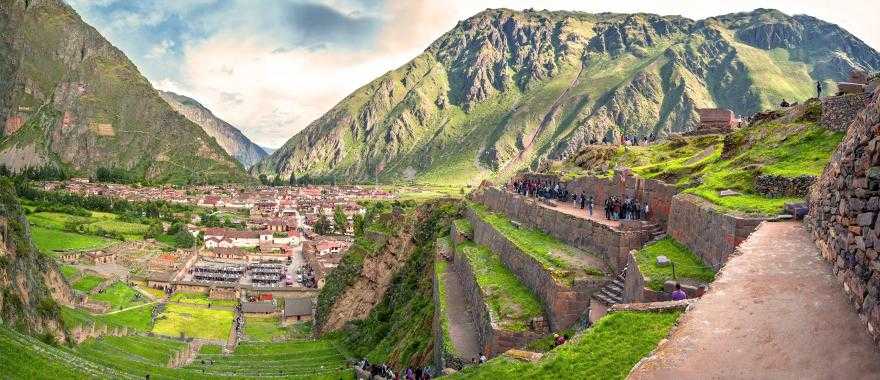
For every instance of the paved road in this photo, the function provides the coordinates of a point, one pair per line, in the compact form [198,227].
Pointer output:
[775,312]
[461,328]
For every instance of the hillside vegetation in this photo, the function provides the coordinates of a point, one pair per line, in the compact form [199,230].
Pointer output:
[504,89]
[70,99]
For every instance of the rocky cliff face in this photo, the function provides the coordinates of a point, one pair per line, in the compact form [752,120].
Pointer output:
[31,286]
[505,89]
[235,143]
[69,98]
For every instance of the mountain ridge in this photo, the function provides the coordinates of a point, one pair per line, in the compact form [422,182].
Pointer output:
[506,89]
[230,138]
[77,102]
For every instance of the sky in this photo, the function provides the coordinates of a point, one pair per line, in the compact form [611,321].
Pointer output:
[270,67]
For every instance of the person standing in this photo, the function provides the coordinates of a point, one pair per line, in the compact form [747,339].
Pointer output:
[590,205]
[818,89]
[646,210]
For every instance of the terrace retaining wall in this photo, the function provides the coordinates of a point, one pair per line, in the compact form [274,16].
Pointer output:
[656,193]
[611,244]
[707,232]
[562,304]
[634,281]
[493,341]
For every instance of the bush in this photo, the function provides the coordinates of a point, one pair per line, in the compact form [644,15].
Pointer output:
[184,239]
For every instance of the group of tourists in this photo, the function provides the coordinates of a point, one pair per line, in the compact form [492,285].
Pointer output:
[628,208]
[546,189]
[369,371]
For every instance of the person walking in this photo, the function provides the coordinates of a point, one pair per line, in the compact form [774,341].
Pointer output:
[590,205]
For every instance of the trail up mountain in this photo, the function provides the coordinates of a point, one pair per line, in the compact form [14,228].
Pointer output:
[69,98]
[505,89]
[235,143]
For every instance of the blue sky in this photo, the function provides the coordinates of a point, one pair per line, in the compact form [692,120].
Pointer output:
[270,67]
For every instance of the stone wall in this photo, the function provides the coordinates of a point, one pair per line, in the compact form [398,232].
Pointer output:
[844,204]
[657,194]
[563,305]
[634,281]
[777,186]
[436,324]
[610,244]
[492,341]
[838,112]
[707,232]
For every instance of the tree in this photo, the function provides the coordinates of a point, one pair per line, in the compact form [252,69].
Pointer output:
[184,239]
[277,181]
[154,231]
[359,224]
[322,225]
[264,179]
[409,174]
[292,180]
[340,220]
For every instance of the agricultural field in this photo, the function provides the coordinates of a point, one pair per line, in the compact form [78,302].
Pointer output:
[688,267]
[264,329]
[49,240]
[88,282]
[608,350]
[200,299]
[194,321]
[120,296]
[138,318]
[317,359]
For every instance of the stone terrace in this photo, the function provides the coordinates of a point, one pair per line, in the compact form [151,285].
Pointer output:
[775,312]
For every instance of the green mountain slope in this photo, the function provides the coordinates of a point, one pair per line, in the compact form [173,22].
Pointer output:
[504,89]
[69,98]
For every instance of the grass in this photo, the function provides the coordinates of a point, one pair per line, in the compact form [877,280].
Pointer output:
[608,350]
[138,318]
[87,283]
[194,321]
[200,299]
[119,296]
[49,240]
[69,272]
[510,303]
[687,265]
[158,293]
[263,329]
[464,226]
[318,359]
[705,165]
[554,255]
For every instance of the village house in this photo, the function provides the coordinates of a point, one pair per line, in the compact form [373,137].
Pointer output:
[101,257]
[296,310]
[258,307]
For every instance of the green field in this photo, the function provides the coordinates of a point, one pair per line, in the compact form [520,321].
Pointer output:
[264,329]
[138,318]
[87,283]
[194,321]
[120,296]
[687,265]
[200,299]
[555,256]
[510,303]
[608,350]
[49,240]
[133,357]
[69,272]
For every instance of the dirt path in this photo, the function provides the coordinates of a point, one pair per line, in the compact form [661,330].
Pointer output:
[775,312]
[461,328]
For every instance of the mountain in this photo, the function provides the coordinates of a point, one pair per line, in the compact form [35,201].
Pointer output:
[235,143]
[268,150]
[68,98]
[504,89]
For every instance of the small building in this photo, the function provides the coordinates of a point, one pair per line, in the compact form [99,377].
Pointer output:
[296,310]
[68,257]
[258,307]
[101,257]
[716,118]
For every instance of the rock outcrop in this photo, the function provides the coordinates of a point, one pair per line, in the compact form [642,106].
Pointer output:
[843,218]
[235,143]
[69,98]
[505,89]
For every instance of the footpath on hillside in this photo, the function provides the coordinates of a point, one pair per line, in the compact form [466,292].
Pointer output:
[775,312]
[462,331]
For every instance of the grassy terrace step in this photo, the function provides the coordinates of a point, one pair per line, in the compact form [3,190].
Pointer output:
[608,350]
[510,303]
[440,266]
[88,282]
[120,296]
[200,299]
[308,359]
[194,321]
[464,226]
[138,318]
[687,265]
[564,262]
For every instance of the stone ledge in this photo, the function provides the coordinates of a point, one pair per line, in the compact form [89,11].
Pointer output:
[652,306]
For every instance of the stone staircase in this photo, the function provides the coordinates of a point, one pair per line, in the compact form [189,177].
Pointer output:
[656,232]
[612,292]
